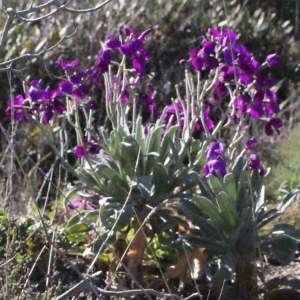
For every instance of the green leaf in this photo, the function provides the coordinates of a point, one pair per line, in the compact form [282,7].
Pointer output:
[108,172]
[208,207]
[215,183]
[107,236]
[139,134]
[77,228]
[288,199]
[144,185]
[76,238]
[75,219]
[260,201]
[112,215]
[92,216]
[154,139]
[264,217]
[88,179]
[287,229]
[284,248]
[169,232]
[230,188]
[129,153]
[227,208]
[103,158]
[203,185]
[210,243]
[194,151]
[190,210]
[160,179]
[167,142]
[238,173]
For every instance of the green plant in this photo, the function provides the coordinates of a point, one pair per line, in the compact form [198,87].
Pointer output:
[174,174]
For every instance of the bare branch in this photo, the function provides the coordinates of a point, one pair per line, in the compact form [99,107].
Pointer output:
[35,55]
[39,7]
[21,15]
[11,11]
[83,284]
[83,11]
[10,69]
[5,30]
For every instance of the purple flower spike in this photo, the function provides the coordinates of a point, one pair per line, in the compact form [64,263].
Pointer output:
[272,60]
[274,123]
[255,164]
[214,150]
[215,165]
[251,143]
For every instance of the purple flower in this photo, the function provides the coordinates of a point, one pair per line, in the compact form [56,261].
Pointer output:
[35,92]
[75,86]
[204,59]
[49,104]
[215,165]
[134,49]
[251,143]
[265,95]
[112,43]
[225,36]
[221,87]
[274,123]
[45,102]
[104,59]
[171,110]
[208,123]
[256,109]
[255,164]
[272,60]
[81,202]
[79,151]
[242,102]
[16,103]
[214,150]
[92,146]
[64,65]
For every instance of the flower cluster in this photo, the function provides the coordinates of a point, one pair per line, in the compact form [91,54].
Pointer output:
[231,70]
[240,74]
[215,162]
[203,60]
[43,102]
[131,45]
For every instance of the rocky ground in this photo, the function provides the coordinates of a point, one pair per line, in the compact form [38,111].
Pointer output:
[283,281]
